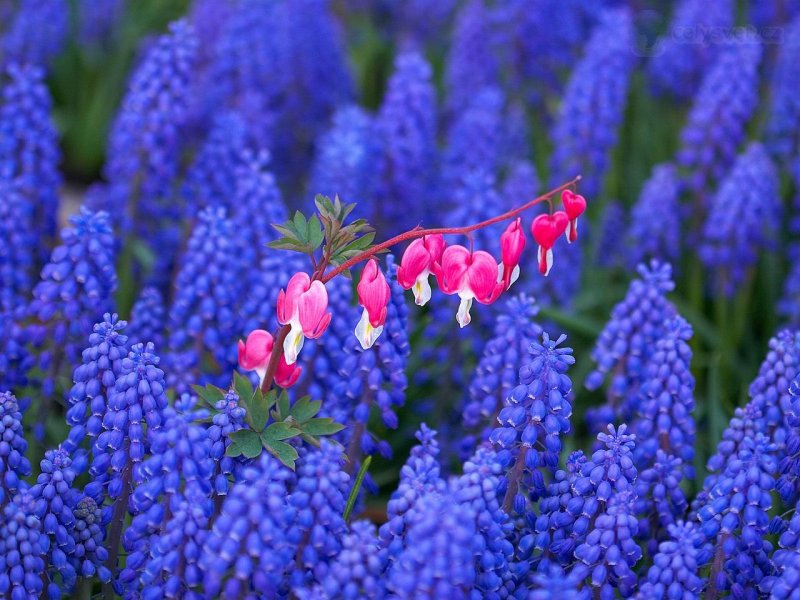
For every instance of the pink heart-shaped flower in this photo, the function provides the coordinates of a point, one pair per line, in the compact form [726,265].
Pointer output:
[546,228]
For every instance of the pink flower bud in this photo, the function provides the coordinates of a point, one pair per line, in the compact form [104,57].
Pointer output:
[255,354]
[417,264]
[286,375]
[302,306]
[373,295]
[546,229]
[574,206]
[471,276]
[512,242]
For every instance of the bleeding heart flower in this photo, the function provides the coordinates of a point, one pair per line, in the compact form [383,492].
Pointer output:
[512,242]
[255,354]
[417,264]
[302,306]
[471,276]
[546,229]
[574,206]
[373,295]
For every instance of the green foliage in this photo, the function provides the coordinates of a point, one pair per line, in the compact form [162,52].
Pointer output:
[339,241]
[271,420]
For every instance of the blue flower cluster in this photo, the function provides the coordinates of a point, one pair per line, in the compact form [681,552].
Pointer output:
[743,218]
[683,54]
[593,104]
[722,108]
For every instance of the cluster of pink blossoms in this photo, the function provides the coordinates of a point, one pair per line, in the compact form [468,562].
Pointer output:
[472,275]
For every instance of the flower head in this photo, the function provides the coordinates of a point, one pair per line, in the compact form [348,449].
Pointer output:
[512,243]
[417,263]
[302,305]
[255,353]
[373,295]
[546,229]
[471,275]
[574,206]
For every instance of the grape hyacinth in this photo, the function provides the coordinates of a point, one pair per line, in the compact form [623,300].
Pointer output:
[211,178]
[789,304]
[475,139]
[177,482]
[721,110]
[146,140]
[655,227]
[594,103]
[536,414]
[666,398]
[610,248]
[357,571]
[13,463]
[581,493]
[477,488]
[22,550]
[93,381]
[202,318]
[471,64]
[249,537]
[734,518]
[356,380]
[497,371]
[437,560]
[406,128]
[783,584]
[37,32]
[318,499]
[781,133]
[29,158]
[88,533]
[228,417]
[420,477]
[257,204]
[627,341]
[55,499]
[138,400]
[75,291]
[609,551]
[743,218]
[148,318]
[675,573]
[344,164]
[682,55]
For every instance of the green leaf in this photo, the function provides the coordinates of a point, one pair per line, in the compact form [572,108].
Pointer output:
[323,426]
[282,406]
[304,409]
[210,394]
[258,409]
[315,235]
[300,226]
[244,441]
[351,499]
[279,431]
[243,386]
[288,230]
[285,243]
[283,452]
[324,205]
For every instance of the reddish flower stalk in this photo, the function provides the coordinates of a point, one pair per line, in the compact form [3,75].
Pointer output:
[417,232]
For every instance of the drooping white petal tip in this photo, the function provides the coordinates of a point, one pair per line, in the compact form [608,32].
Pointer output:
[293,344]
[422,290]
[366,334]
[462,316]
